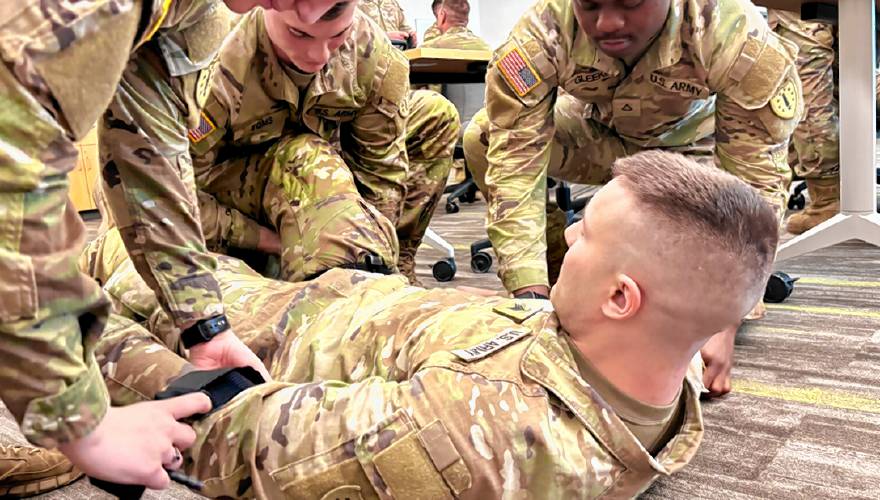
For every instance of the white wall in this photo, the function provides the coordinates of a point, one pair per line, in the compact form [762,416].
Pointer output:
[490,19]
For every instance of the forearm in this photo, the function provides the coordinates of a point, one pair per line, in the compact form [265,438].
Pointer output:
[149,186]
[517,180]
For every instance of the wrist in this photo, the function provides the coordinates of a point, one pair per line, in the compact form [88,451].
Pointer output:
[204,330]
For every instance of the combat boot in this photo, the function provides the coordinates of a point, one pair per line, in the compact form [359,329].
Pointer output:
[27,470]
[824,204]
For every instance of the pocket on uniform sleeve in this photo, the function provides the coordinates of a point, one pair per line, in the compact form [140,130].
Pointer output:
[18,288]
[395,459]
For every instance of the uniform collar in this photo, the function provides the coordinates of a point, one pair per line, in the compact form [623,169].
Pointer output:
[664,51]
[549,362]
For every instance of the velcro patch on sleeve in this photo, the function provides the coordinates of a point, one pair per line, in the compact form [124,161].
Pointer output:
[204,129]
[487,347]
[519,310]
[518,71]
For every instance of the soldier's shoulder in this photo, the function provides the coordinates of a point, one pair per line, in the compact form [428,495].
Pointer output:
[240,47]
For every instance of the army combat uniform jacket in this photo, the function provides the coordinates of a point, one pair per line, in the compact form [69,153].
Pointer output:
[147,187]
[62,61]
[714,69]
[357,103]
[457,37]
[386,13]
[390,391]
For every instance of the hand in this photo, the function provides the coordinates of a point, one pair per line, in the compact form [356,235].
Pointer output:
[269,241]
[542,289]
[225,350]
[133,444]
[398,36]
[717,354]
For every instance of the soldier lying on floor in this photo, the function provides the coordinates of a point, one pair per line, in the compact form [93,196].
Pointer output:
[386,390]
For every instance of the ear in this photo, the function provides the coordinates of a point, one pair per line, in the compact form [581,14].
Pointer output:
[625,300]
[441,16]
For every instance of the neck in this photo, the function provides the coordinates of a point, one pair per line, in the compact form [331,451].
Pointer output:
[647,364]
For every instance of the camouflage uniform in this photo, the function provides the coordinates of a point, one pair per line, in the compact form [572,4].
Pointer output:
[714,67]
[269,148]
[457,37]
[387,14]
[815,140]
[62,61]
[389,391]
[431,33]
[147,186]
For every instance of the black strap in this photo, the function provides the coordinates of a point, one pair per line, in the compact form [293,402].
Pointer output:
[220,385]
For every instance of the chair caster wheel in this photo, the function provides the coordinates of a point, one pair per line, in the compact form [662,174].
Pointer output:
[444,270]
[451,207]
[797,202]
[481,262]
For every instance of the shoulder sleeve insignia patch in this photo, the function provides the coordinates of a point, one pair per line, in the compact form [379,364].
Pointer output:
[487,347]
[518,71]
[204,129]
[785,102]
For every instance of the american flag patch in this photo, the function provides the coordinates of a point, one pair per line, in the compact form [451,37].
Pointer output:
[206,126]
[518,72]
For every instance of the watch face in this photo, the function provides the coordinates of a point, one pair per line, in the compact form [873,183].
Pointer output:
[784,104]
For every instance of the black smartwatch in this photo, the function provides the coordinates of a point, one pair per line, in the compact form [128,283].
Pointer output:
[204,330]
[531,295]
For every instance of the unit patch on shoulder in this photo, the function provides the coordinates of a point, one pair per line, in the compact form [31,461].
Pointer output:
[206,126]
[518,71]
[487,347]
[785,102]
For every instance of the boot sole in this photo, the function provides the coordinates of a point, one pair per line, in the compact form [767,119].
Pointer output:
[39,487]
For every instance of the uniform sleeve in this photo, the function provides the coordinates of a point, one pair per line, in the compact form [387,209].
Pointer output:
[759,104]
[226,227]
[150,190]
[520,134]
[50,313]
[378,134]
[403,25]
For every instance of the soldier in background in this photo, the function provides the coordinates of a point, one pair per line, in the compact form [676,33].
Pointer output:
[710,81]
[452,22]
[389,16]
[62,63]
[816,139]
[320,114]
[402,392]
[433,30]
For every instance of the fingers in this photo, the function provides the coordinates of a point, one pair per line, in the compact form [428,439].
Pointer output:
[173,460]
[187,405]
[158,480]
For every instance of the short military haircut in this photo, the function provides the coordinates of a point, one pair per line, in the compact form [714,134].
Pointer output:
[335,11]
[460,9]
[709,203]
[436,5]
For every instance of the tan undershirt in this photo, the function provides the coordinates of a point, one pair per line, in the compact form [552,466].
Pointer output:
[300,79]
[652,425]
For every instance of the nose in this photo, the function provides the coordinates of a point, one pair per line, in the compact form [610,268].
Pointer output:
[610,21]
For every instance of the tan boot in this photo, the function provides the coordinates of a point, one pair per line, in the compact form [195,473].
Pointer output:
[27,470]
[758,312]
[824,204]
